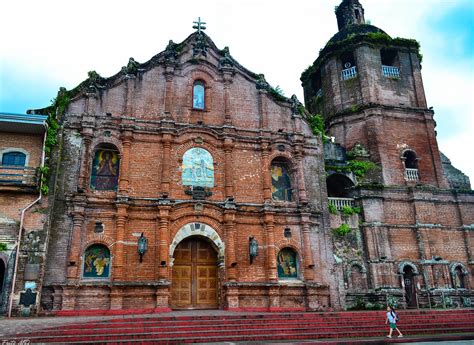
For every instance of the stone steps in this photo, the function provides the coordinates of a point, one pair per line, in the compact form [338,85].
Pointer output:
[352,326]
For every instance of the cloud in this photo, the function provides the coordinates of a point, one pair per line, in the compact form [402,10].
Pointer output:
[55,43]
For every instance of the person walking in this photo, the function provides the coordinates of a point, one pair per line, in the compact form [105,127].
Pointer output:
[392,319]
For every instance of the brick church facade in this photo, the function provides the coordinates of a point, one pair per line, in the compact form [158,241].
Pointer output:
[189,182]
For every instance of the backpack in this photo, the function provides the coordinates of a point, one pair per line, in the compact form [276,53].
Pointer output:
[397,318]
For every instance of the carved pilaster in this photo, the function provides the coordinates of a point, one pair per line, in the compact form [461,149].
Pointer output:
[270,244]
[75,245]
[308,254]
[163,228]
[169,74]
[118,248]
[85,159]
[227,82]
[303,199]
[124,182]
[165,166]
[231,260]
[229,178]
[267,183]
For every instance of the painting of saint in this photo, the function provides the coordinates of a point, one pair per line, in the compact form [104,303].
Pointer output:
[287,264]
[281,184]
[105,170]
[96,262]
[198,168]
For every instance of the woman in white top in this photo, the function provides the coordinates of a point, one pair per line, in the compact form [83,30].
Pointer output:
[392,319]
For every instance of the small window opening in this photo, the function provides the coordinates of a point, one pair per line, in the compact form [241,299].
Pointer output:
[349,69]
[389,57]
[410,160]
[317,83]
[198,95]
[14,159]
[339,186]
[357,16]
[390,63]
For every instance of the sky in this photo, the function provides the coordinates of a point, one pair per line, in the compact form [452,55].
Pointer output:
[52,43]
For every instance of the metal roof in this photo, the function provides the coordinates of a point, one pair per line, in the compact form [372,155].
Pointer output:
[22,123]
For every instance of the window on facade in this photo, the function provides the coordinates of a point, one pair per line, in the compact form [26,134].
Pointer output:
[411,166]
[458,278]
[198,95]
[349,69]
[281,181]
[389,59]
[198,168]
[339,186]
[105,168]
[287,264]
[14,159]
[96,262]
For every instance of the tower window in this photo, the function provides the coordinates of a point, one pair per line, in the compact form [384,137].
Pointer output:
[357,16]
[411,166]
[349,69]
[390,63]
[198,95]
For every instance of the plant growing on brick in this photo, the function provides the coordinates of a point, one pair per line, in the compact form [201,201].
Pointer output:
[3,247]
[342,230]
[332,208]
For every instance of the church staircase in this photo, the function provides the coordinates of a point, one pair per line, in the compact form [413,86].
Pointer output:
[365,327]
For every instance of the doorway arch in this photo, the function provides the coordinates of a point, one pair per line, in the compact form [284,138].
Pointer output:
[194,277]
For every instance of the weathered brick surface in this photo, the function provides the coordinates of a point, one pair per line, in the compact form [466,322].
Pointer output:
[161,125]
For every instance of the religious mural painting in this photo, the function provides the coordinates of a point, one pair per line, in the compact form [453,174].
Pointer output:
[287,264]
[105,170]
[281,183]
[198,168]
[96,262]
[198,95]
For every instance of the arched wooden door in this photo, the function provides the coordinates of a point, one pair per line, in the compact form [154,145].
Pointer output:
[194,276]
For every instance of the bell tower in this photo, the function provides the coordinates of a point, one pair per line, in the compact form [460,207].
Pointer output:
[369,90]
[349,12]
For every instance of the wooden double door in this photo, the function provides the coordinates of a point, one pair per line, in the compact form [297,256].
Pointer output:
[194,275]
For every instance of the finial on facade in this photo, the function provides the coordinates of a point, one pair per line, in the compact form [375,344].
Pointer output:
[199,25]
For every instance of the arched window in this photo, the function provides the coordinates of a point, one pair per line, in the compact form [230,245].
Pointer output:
[287,264]
[198,168]
[281,181]
[411,161]
[411,166]
[198,95]
[14,158]
[105,168]
[339,186]
[96,262]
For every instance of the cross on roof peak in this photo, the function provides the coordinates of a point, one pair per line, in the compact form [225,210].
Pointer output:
[199,25]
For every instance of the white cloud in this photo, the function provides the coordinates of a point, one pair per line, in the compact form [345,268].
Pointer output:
[54,43]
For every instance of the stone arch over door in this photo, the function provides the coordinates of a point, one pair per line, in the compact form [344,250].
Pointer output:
[197,267]
[198,229]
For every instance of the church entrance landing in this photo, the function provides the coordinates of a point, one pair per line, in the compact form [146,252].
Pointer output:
[194,275]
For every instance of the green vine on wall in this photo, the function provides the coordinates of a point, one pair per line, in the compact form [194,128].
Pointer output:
[3,247]
[55,111]
[316,122]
